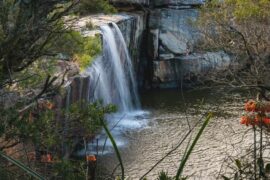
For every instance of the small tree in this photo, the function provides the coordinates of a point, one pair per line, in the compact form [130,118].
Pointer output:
[33,35]
[26,30]
[240,28]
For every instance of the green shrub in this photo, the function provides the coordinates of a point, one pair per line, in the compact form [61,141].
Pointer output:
[81,49]
[163,176]
[90,48]
[95,6]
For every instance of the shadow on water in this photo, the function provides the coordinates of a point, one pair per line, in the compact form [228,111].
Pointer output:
[173,100]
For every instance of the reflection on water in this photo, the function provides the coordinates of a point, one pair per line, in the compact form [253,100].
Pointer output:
[157,105]
[145,138]
[174,100]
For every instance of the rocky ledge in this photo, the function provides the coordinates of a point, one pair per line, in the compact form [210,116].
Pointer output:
[131,25]
[173,41]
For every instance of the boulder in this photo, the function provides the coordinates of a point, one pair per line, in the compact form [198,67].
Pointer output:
[177,34]
[174,42]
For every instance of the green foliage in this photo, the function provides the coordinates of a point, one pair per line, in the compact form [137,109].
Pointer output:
[38,124]
[82,49]
[96,6]
[69,170]
[241,29]
[22,166]
[88,116]
[32,38]
[186,156]
[115,149]
[91,47]
[26,27]
[243,9]
[28,125]
[164,176]
[35,75]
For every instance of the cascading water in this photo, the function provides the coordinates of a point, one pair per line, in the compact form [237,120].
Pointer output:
[113,73]
[112,80]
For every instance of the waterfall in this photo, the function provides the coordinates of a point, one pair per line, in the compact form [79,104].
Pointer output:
[112,80]
[112,74]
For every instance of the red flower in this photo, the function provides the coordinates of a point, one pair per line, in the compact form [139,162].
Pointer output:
[250,106]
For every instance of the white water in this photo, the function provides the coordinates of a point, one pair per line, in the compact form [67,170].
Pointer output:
[113,81]
[113,74]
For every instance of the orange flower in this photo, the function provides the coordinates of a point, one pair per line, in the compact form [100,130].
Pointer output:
[46,105]
[245,120]
[250,106]
[250,120]
[50,105]
[47,158]
[91,158]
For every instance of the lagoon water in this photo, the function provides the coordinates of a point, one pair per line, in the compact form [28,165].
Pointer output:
[146,138]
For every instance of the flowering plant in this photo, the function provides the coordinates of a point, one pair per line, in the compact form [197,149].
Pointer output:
[257,114]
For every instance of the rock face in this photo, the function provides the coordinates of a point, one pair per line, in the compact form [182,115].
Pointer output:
[187,69]
[131,25]
[162,43]
[176,34]
[173,38]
